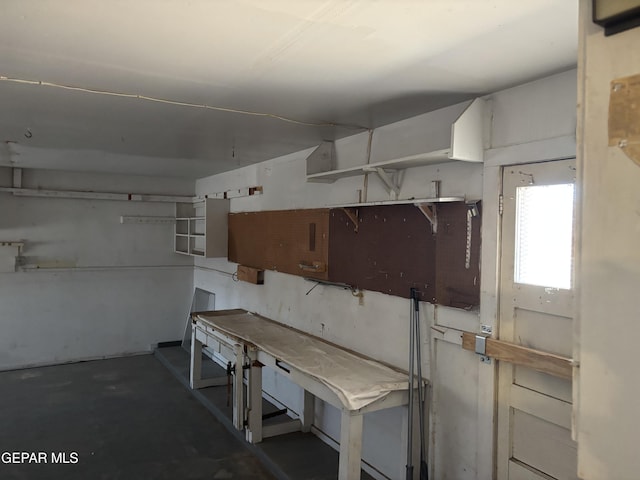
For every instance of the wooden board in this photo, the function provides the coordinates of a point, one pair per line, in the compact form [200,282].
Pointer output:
[392,251]
[550,363]
[289,241]
[250,275]
[624,118]
[382,248]
[456,285]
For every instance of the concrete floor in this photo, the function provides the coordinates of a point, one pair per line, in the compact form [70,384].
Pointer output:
[127,418]
[132,418]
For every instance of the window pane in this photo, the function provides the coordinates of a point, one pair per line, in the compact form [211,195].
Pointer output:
[544,228]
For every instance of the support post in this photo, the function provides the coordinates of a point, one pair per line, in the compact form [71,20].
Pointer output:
[254,394]
[238,388]
[196,360]
[350,446]
[308,407]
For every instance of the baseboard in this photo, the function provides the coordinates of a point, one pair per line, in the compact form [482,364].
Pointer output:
[75,360]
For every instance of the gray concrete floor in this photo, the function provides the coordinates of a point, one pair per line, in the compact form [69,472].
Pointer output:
[127,418]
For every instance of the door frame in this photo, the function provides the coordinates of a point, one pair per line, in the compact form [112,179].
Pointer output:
[559,148]
[528,294]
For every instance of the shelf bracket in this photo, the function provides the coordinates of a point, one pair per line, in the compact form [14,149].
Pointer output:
[389,181]
[352,214]
[429,211]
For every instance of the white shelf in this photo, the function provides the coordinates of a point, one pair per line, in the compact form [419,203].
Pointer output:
[201,228]
[414,201]
[427,207]
[394,164]
[461,135]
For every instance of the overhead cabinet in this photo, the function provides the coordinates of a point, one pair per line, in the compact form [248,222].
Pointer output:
[201,228]
[451,133]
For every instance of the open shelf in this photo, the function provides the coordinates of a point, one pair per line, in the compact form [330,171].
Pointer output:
[453,133]
[394,164]
[414,201]
[201,228]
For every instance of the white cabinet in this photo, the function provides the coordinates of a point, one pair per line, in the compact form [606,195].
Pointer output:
[201,228]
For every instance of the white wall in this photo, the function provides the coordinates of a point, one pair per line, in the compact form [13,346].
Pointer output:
[462,404]
[92,287]
[608,276]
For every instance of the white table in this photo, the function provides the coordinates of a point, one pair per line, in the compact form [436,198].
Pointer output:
[354,384]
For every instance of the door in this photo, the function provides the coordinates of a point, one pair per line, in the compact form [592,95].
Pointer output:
[536,303]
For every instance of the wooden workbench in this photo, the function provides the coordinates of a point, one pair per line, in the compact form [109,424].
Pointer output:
[351,382]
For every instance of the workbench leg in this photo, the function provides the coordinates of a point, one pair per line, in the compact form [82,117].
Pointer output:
[196,360]
[350,446]
[254,428]
[308,411]
[238,388]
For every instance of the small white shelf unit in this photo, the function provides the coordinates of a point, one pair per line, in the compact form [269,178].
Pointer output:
[452,136]
[201,228]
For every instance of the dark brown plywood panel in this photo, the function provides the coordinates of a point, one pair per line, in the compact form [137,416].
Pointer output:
[392,251]
[457,285]
[289,241]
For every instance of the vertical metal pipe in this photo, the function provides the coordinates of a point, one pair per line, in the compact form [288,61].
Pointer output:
[410,406]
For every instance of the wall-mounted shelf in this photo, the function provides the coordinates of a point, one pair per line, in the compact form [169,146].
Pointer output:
[201,228]
[414,201]
[427,207]
[394,164]
[452,133]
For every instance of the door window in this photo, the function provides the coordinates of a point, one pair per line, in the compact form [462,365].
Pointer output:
[544,232]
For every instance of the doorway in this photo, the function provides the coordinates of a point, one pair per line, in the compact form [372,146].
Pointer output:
[536,305]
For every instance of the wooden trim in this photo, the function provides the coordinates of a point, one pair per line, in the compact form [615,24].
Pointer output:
[250,274]
[545,362]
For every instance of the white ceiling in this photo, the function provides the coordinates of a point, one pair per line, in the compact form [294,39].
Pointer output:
[355,62]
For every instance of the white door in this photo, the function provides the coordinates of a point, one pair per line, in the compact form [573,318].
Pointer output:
[536,296]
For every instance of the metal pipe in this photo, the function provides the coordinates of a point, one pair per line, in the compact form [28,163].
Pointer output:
[421,393]
[410,406]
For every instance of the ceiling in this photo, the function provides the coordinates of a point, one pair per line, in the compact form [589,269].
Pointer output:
[335,66]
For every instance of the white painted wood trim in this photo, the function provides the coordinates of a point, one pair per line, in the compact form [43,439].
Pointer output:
[548,408]
[557,148]
[489,281]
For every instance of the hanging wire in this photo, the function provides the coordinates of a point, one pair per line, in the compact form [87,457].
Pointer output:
[175,102]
